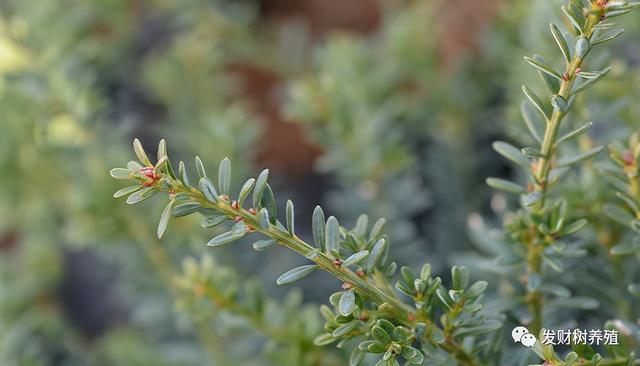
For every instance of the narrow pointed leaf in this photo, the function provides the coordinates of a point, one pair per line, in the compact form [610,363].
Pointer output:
[356,258]
[537,102]
[591,82]
[182,174]
[245,190]
[140,153]
[533,198]
[258,190]
[208,189]
[296,274]
[572,19]
[224,176]
[608,36]
[263,218]
[212,221]
[561,41]
[120,173]
[318,227]
[344,329]
[531,121]
[376,229]
[264,244]
[505,185]
[290,218]
[532,152]
[625,249]
[574,227]
[574,159]
[332,234]
[618,214]
[237,232]
[186,208]
[127,190]
[542,66]
[141,195]
[510,152]
[200,167]
[376,254]
[164,219]
[575,133]
[268,201]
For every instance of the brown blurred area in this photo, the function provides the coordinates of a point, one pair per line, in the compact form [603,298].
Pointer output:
[284,146]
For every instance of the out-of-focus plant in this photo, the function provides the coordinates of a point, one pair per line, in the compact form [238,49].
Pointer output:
[541,225]
[367,310]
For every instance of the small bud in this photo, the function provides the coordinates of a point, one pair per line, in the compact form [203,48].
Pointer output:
[582,47]
[237,218]
[363,317]
[578,70]
[565,76]
[234,205]
[250,229]
[223,197]
[627,158]
[347,286]
[337,262]
[360,272]
[559,103]
[252,211]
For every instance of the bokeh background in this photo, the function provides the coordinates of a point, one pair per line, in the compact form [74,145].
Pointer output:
[386,108]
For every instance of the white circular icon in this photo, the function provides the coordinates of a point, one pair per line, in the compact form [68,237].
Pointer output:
[528,340]
[522,335]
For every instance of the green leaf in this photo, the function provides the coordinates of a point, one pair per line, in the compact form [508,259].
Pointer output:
[533,198]
[344,329]
[182,174]
[460,277]
[510,152]
[376,229]
[318,227]
[269,202]
[237,232]
[296,274]
[259,188]
[212,221]
[572,19]
[139,150]
[505,185]
[356,258]
[200,167]
[608,36]
[141,195]
[121,173]
[332,234]
[323,340]
[532,152]
[476,289]
[224,176]
[376,254]
[380,334]
[264,244]
[574,227]
[561,41]
[625,249]
[125,191]
[347,303]
[575,133]
[290,218]
[543,108]
[361,226]
[164,219]
[263,218]
[531,121]
[356,358]
[542,66]
[571,160]
[244,191]
[208,189]
[591,82]
[162,149]
[186,208]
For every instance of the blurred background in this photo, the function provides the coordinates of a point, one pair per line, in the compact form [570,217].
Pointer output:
[386,108]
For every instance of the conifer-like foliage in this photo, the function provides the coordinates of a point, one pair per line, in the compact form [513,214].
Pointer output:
[387,312]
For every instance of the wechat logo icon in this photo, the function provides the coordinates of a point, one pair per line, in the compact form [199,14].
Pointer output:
[522,335]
